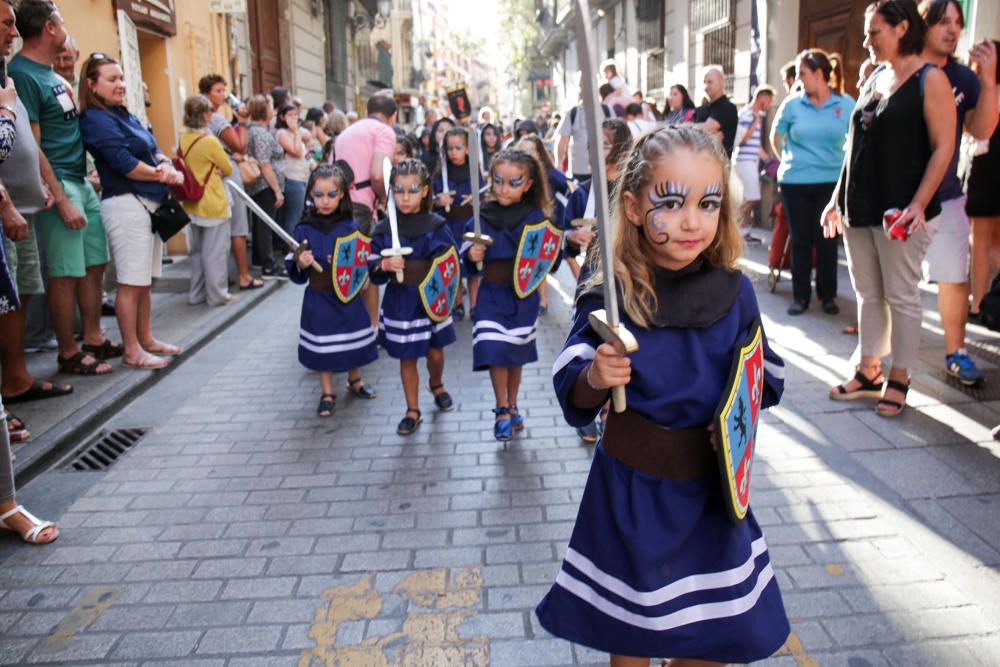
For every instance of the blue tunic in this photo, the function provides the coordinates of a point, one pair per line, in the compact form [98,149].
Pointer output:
[504,330]
[458,215]
[561,190]
[655,567]
[405,331]
[333,336]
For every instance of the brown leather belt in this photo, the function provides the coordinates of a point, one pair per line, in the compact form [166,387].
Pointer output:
[459,212]
[499,272]
[321,282]
[414,272]
[667,453]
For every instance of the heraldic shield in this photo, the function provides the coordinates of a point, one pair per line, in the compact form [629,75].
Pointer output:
[736,421]
[536,253]
[350,265]
[439,289]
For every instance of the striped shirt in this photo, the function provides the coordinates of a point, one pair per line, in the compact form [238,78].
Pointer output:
[750,151]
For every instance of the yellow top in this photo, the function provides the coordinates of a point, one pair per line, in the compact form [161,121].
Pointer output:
[206,155]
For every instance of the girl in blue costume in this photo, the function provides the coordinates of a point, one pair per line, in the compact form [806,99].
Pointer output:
[560,188]
[334,336]
[503,336]
[405,330]
[655,567]
[453,200]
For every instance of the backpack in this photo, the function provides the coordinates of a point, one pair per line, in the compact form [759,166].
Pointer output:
[572,113]
[989,307]
[191,189]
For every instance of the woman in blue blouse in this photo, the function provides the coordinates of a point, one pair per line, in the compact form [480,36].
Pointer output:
[135,179]
[809,130]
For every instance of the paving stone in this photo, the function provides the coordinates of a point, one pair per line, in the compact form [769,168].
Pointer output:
[257,587]
[208,614]
[156,644]
[184,591]
[83,647]
[245,639]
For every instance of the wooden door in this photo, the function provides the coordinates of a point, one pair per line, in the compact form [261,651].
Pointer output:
[264,44]
[836,26]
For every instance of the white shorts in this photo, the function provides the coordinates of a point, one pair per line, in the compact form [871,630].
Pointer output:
[749,173]
[136,250]
[947,258]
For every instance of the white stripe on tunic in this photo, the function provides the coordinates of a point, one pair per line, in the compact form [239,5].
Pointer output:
[777,370]
[342,347]
[496,326]
[688,615]
[578,351]
[336,338]
[501,338]
[406,324]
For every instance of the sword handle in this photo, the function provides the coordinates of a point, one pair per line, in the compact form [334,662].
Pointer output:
[618,398]
[399,277]
[479,266]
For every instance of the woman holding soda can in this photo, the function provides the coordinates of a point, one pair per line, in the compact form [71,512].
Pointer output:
[898,149]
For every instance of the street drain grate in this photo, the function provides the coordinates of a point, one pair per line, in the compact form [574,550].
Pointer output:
[104,451]
[988,391]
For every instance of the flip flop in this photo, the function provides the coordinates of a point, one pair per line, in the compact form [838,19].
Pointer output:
[38,392]
[149,363]
[165,349]
[253,284]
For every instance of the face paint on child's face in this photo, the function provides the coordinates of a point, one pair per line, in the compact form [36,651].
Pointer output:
[326,195]
[510,182]
[408,193]
[457,150]
[681,208]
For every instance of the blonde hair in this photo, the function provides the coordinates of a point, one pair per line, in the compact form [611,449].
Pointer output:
[195,108]
[634,268]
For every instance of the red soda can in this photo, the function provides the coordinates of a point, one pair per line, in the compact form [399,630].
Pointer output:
[890,223]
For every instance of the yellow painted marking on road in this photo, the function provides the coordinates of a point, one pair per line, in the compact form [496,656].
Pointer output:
[440,602]
[835,570]
[93,603]
[793,647]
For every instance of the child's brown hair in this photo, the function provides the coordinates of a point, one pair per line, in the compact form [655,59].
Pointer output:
[338,172]
[634,270]
[538,194]
[414,167]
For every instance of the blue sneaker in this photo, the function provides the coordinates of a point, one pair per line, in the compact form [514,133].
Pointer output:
[516,420]
[588,433]
[960,366]
[502,430]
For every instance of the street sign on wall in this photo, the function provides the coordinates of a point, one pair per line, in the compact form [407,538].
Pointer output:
[227,6]
[155,15]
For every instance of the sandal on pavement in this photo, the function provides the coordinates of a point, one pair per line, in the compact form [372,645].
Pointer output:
[77,364]
[165,349]
[360,389]
[327,404]
[887,408]
[254,283]
[32,535]
[516,420]
[443,400]
[502,429]
[17,430]
[148,362]
[867,389]
[408,424]
[458,312]
[106,350]
[38,391]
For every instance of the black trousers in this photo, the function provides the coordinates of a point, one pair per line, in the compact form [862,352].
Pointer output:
[263,243]
[804,205]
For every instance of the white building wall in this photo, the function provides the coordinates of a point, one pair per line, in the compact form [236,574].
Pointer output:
[308,63]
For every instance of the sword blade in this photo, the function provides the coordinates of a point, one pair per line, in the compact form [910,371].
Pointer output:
[289,240]
[474,175]
[444,168]
[585,51]
[390,202]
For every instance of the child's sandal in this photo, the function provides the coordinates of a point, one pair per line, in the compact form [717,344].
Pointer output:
[408,424]
[887,408]
[443,400]
[867,389]
[360,389]
[516,420]
[327,404]
[502,428]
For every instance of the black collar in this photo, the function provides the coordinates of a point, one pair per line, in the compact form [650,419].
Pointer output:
[459,174]
[324,223]
[412,226]
[505,217]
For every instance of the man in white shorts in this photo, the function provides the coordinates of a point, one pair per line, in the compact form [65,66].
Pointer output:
[749,152]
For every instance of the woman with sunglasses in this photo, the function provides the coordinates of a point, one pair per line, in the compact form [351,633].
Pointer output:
[898,149]
[135,179]
[808,132]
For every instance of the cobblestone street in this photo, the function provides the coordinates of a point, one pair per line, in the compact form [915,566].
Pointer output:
[243,530]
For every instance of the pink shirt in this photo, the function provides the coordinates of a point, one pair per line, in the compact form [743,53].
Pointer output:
[357,145]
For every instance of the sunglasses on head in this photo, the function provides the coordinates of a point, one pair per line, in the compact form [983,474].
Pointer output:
[319,194]
[98,55]
[414,189]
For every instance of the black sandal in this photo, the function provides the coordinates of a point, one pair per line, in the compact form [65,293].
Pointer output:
[895,408]
[17,430]
[327,404]
[443,400]
[408,424]
[868,388]
[104,351]
[364,391]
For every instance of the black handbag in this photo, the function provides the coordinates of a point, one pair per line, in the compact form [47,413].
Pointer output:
[169,218]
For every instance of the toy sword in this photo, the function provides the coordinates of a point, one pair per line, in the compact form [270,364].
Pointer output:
[289,240]
[605,322]
[476,236]
[444,176]
[390,207]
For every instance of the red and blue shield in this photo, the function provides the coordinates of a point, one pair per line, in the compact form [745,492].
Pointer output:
[439,289]
[350,265]
[536,253]
[736,421]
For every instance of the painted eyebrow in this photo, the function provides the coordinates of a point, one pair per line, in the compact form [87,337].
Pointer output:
[670,188]
[713,189]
